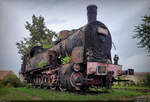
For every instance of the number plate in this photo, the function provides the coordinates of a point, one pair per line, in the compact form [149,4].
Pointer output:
[101,70]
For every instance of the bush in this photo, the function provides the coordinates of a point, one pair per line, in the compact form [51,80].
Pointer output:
[11,80]
[9,85]
[1,85]
[146,82]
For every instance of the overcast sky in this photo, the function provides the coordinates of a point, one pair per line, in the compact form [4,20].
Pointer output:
[120,16]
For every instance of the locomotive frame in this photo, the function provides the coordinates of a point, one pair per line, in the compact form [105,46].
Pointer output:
[90,65]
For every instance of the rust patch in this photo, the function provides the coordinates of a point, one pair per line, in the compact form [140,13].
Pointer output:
[64,34]
[53,54]
[95,81]
[65,67]
[63,44]
[91,68]
[76,80]
[77,55]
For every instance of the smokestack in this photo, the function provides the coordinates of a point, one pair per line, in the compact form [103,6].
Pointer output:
[91,13]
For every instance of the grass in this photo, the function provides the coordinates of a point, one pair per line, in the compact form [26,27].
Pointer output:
[24,93]
[131,87]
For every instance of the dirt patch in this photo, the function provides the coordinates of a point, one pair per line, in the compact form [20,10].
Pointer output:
[28,96]
[144,98]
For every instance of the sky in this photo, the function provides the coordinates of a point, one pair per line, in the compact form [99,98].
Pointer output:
[120,16]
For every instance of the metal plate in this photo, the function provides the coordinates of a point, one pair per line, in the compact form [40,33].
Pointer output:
[77,55]
[101,70]
[91,68]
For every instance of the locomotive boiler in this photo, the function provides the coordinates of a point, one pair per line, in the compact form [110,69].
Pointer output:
[91,65]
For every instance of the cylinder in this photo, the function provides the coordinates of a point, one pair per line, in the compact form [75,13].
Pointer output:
[92,13]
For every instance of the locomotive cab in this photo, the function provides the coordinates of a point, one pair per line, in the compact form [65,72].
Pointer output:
[52,58]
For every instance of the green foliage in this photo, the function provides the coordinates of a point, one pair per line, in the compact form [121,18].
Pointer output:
[1,84]
[146,82]
[9,85]
[143,33]
[40,35]
[45,43]
[11,81]
[66,59]
[42,64]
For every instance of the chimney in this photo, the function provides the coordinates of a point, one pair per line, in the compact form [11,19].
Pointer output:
[91,13]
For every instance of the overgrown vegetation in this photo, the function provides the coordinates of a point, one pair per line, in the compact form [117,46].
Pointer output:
[40,35]
[142,83]
[10,81]
[42,64]
[124,83]
[66,59]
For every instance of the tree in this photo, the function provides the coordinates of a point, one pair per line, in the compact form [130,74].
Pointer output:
[40,35]
[143,33]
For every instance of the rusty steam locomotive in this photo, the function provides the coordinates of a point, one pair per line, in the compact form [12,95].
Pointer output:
[90,64]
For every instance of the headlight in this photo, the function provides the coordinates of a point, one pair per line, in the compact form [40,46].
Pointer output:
[103,31]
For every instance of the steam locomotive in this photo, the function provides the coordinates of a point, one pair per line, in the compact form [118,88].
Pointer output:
[91,65]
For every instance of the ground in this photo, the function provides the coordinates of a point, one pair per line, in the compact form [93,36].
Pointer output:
[117,93]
